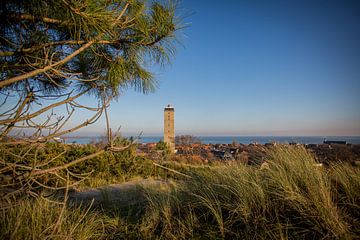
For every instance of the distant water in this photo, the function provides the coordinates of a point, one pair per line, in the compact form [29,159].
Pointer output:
[230,139]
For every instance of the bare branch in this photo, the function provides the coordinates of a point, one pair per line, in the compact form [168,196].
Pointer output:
[37,113]
[18,113]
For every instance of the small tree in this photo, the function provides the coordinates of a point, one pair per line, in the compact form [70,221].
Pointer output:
[164,148]
[185,140]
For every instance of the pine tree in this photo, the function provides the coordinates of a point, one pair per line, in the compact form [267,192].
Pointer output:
[64,49]
[53,52]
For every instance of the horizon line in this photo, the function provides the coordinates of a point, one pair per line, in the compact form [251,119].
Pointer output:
[216,135]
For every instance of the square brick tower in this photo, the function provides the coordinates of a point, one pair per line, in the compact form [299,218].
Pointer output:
[169,128]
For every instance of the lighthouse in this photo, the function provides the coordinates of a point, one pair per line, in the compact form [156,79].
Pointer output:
[169,128]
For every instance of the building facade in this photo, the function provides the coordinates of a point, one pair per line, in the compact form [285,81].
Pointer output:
[169,127]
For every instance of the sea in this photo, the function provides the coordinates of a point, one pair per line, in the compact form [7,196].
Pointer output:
[231,139]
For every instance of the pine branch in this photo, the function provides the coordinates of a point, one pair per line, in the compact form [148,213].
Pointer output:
[44,69]
[63,43]
[37,113]
[59,63]
[32,18]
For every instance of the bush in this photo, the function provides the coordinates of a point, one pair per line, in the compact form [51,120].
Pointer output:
[109,167]
[164,148]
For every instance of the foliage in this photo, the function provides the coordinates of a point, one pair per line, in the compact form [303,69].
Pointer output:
[114,168]
[164,148]
[109,167]
[292,199]
[105,43]
[51,58]
[185,140]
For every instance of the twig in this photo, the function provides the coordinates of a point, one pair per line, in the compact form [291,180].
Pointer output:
[171,170]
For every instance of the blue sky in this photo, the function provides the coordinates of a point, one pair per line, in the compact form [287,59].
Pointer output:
[255,67]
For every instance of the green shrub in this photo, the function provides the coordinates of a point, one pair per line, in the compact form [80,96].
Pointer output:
[164,148]
[107,168]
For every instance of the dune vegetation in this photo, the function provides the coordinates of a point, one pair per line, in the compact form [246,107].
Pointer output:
[289,197]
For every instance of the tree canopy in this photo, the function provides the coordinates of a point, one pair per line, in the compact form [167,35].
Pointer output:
[53,52]
[64,49]
[50,45]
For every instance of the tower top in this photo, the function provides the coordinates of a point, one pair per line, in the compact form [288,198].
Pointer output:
[169,107]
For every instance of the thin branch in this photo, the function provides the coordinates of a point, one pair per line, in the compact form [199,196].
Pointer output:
[33,18]
[37,113]
[18,113]
[107,124]
[42,46]
[44,69]
[171,170]
[58,168]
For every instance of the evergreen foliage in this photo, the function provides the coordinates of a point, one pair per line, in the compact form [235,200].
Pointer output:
[52,53]
[164,148]
[51,46]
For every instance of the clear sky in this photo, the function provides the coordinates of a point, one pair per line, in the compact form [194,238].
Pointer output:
[251,67]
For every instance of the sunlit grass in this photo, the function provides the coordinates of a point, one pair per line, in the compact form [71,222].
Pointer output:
[40,219]
[291,198]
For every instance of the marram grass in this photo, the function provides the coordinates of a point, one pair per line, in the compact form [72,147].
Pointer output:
[41,219]
[291,198]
